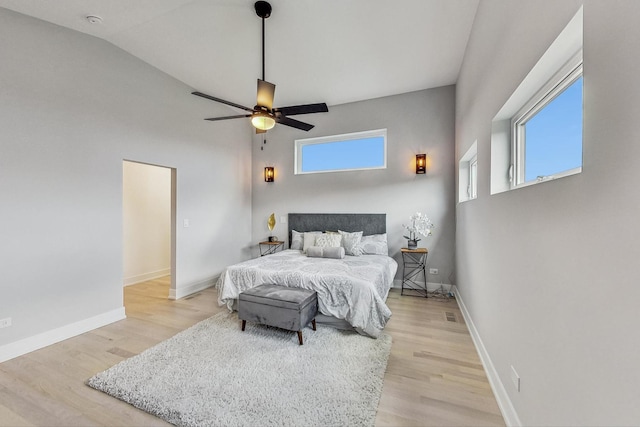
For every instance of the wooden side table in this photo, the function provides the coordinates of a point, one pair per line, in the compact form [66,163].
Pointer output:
[268,248]
[414,263]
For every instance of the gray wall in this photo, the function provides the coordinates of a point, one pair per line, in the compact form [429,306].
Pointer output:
[548,272]
[72,107]
[417,122]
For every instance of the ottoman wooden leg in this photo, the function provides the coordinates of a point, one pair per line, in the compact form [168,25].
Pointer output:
[244,323]
[300,337]
[313,322]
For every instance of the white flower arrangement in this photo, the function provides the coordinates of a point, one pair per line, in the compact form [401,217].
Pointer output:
[420,224]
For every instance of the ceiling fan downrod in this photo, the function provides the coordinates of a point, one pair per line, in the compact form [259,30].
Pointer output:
[263,10]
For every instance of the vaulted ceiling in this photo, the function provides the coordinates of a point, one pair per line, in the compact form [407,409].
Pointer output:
[333,51]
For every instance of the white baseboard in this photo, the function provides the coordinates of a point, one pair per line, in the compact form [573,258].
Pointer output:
[185,291]
[36,342]
[506,406]
[128,281]
[431,286]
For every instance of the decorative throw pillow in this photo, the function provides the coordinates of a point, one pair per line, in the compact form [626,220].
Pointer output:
[351,242]
[309,239]
[328,240]
[376,244]
[318,252]
[296,240]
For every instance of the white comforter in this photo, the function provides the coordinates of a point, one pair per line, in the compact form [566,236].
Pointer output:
[353,288]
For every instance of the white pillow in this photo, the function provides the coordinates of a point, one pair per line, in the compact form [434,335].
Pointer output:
[351,242]
[376,244]
[316,251]
[296,240]
[309,239]
[328,240]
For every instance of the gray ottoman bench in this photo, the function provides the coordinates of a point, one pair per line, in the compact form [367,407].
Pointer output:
[279,306]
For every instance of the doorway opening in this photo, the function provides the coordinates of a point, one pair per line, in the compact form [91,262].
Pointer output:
[148,225]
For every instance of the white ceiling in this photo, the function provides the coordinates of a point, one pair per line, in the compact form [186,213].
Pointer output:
[333,51]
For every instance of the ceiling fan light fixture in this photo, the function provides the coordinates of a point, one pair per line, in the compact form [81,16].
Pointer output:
[262,120]
[263,115]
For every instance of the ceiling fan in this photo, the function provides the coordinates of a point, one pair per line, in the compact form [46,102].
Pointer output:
[263,115]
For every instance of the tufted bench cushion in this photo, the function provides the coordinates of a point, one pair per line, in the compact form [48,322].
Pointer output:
[279,306]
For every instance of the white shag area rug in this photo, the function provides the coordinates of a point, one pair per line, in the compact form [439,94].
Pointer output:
[212,374]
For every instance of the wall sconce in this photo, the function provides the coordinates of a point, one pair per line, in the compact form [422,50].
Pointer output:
[269,174]
[421,163]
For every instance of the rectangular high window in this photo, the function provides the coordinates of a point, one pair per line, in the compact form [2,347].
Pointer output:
[547,132]
[348,152]
[536,136]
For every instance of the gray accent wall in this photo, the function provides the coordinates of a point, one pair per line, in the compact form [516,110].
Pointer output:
[548,272]
[416,122]
[72,108]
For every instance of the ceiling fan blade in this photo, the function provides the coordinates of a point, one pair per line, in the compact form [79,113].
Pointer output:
[213,98]
[215,119]
[303,109]
[293,123]
[266,91]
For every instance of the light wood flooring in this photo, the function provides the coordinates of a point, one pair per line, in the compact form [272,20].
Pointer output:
[434,376]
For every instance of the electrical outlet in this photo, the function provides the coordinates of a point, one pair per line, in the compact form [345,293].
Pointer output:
[5,323]
[433,271]
[515,378]
[186,223]
[283,220]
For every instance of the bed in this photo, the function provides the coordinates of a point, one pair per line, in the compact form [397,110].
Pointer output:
[351,291]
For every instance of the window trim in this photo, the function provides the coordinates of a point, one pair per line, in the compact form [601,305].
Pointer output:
[565,77]
[300,143]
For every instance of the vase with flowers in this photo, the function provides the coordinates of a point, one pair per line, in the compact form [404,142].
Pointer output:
[419,224]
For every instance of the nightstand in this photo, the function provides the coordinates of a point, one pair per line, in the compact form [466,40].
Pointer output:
[413,265]
[268,248]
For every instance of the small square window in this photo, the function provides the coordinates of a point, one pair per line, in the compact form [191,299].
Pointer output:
[468,174]
[472,191]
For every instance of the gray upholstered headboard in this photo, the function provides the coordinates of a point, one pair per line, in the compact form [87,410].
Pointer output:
[367,223]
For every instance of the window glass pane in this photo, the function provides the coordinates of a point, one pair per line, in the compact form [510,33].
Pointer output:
[553,137]
[365,153]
